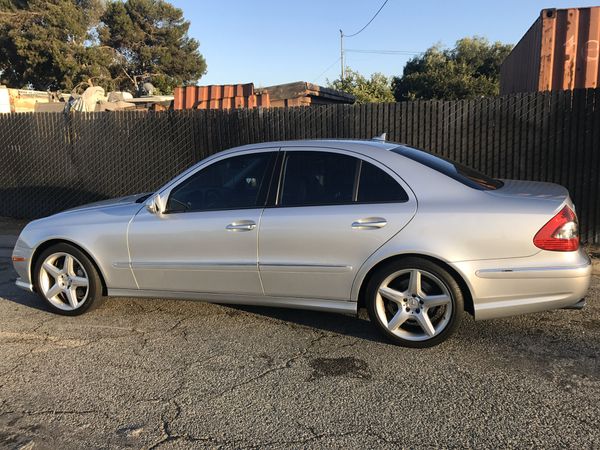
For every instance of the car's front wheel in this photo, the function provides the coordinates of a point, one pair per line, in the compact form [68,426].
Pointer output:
[414,302]
[67,280]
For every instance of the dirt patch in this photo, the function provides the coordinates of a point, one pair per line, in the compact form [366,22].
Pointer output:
[339,367]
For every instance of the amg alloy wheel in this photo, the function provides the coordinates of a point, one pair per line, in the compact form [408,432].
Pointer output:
[67,280]
[414,302]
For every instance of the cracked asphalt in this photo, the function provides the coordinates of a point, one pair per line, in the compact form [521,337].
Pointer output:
[155,373]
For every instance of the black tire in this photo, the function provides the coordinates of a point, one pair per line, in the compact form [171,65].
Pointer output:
[453,288]
[94,293]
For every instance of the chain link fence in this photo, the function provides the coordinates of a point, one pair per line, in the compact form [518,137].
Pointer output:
[52,161]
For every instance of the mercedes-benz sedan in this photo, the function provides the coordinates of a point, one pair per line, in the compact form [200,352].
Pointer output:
[325,225]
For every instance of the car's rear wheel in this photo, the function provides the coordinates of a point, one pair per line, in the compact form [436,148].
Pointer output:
[414,302]
[67,280]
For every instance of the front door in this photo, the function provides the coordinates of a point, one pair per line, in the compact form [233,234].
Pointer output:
[333,211]
[206,240]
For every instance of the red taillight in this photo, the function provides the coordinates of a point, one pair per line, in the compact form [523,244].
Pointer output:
[560,234]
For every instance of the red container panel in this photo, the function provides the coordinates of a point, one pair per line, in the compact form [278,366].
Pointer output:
[559,52]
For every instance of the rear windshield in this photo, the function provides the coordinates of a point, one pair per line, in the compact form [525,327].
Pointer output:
[458,172]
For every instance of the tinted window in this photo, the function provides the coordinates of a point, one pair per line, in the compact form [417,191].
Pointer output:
[318,178]
[377,186]
[463,174]
[232,183]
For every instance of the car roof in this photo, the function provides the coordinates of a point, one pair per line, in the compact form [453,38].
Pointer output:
[343,144]
[364,147]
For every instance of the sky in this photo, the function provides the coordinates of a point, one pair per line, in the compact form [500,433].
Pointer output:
[271,42]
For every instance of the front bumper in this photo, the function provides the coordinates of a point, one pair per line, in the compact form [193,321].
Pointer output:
[21,258]
[23,285]
[545,281]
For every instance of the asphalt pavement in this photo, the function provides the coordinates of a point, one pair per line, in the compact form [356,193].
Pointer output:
[156,373]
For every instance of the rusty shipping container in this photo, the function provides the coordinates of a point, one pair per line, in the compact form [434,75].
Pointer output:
[225,96]
[559,52]
[298,93]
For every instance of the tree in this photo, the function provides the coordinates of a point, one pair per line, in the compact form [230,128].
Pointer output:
[471,69]
[66,44]
[376,89]
[45,44]
[150,41]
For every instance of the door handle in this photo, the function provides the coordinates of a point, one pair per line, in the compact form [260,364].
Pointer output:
[241,225]
[369,223]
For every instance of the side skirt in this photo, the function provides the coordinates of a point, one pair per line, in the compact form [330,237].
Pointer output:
[335,306]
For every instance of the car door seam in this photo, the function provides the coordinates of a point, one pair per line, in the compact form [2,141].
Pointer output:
[129,249]
[360,268]
[262,287]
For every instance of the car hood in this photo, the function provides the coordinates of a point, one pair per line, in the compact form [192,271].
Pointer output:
[84,224]
[135,198]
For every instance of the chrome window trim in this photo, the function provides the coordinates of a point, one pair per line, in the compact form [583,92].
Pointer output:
[166,189]
[311,205]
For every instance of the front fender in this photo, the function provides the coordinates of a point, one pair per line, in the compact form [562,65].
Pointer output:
[101,233]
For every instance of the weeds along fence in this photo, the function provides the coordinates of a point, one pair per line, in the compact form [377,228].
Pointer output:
[52,161]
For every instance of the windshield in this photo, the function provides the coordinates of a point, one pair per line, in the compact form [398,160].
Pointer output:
[454,170]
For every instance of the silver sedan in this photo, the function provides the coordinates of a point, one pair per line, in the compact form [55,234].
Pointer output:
[325,225]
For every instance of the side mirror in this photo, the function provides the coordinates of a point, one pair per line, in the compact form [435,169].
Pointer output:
[154,204]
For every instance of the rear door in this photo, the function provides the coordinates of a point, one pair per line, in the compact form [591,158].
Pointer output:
[332,211]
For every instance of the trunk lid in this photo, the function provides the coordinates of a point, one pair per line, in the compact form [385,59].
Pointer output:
[553,194]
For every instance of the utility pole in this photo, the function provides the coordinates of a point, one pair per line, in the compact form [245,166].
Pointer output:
[341,55]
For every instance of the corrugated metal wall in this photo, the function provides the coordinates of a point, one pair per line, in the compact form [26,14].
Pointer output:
[559,52]
[224,96]
[232,96]
[520,70]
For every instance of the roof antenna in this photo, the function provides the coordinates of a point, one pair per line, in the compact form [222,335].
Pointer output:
[380,138]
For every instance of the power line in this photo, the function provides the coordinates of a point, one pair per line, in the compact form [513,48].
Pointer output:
[325,71]
[369,22]
[384,52]
[342,35]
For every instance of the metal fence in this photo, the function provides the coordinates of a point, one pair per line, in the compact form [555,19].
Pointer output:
[49,162]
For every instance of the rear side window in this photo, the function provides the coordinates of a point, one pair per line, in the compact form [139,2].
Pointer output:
[376,186]
[324,178]
[463,174]
[318,178]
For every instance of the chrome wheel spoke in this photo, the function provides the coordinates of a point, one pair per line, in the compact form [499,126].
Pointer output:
[51,269]
[53,291]
[425,323]
[435,300]
[391,294]
[79,282]
[71,297]
[414,284]
[399,318]
[68,265]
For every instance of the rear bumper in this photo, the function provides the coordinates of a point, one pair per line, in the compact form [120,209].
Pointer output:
[547,280]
